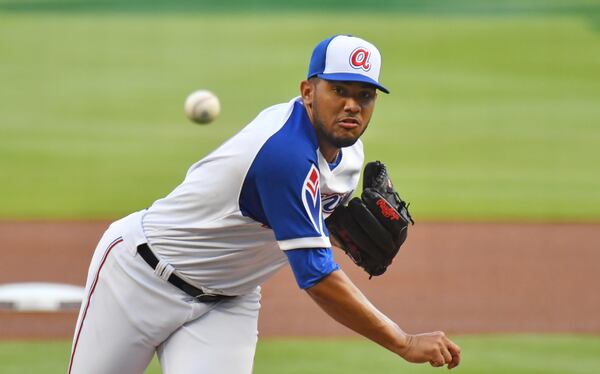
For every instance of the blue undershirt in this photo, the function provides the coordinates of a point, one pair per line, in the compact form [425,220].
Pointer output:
[338,159]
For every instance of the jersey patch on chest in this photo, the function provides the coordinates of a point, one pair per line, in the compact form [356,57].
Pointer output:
[331,201]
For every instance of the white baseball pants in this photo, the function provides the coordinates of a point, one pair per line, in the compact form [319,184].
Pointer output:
[129,313]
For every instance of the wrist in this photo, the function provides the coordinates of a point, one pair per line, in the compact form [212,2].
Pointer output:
[396,339]
[404,345]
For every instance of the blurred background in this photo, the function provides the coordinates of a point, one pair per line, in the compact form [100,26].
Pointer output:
[491,131]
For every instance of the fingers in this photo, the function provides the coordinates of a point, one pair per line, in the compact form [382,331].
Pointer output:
[449,353]
[441,357]
[453,364]
[446,354]
[455,352]
[434,348]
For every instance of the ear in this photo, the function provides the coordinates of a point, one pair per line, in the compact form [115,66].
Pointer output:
[307,90]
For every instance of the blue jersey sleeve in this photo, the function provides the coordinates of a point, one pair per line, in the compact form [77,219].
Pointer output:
[281,189]
[311,265]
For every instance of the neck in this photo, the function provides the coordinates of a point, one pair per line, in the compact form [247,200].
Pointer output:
[328,151]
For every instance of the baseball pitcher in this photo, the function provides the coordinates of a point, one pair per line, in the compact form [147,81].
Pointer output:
[182,278]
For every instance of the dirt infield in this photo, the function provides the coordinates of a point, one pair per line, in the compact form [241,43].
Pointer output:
[467,278]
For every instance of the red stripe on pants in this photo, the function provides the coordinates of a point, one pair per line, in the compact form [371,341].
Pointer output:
[110,247]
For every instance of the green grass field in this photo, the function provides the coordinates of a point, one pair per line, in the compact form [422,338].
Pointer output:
[493,114]
[518,354]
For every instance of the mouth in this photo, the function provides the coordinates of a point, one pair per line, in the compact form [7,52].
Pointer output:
[348,123]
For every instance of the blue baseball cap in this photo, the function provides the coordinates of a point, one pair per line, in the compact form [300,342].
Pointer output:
[346,58]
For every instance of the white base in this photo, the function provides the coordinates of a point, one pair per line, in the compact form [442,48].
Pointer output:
[47,297]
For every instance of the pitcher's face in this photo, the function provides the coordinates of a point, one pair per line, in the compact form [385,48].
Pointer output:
[340,111]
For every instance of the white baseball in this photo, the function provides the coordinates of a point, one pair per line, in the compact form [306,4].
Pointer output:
[202,106]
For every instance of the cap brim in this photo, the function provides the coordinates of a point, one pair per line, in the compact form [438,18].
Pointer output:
[349,77]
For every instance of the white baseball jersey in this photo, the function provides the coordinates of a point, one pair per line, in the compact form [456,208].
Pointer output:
[266,189]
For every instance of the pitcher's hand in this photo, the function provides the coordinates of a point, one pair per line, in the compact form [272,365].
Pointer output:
[433,347]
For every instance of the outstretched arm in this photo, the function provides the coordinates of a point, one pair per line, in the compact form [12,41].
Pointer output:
[343,301]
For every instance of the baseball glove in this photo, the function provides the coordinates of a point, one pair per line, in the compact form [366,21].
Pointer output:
[371,229]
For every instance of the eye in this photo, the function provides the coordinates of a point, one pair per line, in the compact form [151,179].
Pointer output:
[339,90]
[366,96]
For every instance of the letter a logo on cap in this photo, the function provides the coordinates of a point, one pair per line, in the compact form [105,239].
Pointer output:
[359,59]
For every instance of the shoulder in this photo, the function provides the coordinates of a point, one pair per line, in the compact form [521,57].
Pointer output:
[292,148]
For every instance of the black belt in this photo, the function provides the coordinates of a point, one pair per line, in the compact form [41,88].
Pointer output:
[197,293]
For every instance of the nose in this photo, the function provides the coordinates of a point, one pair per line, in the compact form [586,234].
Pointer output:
[351,105]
